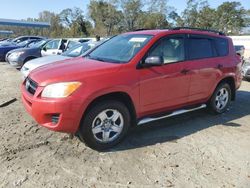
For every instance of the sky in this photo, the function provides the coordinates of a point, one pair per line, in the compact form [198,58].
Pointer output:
[22,9]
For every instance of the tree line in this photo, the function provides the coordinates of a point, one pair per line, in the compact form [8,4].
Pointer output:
[110,17]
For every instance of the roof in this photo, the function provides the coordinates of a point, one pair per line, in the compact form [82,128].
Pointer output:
[23,23]
[178,30]
[6,32]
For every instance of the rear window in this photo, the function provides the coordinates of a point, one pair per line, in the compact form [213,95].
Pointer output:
[221,46]
[199,48]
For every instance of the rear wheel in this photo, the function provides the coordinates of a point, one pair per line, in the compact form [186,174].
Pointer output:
[221,98]
[104,125]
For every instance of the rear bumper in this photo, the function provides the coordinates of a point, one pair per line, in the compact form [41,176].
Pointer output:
[68,110]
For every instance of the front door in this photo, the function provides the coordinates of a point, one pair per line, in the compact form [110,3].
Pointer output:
[165,87]
[51,48]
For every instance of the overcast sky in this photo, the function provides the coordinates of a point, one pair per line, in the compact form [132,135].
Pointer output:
[21,9]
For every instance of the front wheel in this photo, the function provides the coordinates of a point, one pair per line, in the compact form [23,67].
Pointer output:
[104,125]
[221,98]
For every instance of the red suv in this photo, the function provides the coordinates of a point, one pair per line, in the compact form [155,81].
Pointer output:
[134,78]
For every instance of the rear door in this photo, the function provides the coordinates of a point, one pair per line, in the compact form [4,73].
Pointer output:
[203,66]
[165,87]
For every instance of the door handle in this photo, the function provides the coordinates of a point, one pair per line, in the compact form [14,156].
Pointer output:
[185,71]
[219,66]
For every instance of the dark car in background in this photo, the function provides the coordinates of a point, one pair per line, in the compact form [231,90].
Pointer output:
[246,70]
[46,47]
[5,48]
[20,39]
[20,56]
[240,50]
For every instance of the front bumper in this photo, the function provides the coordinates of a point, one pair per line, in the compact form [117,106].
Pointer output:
[68,111]
[14,61]
[25,72]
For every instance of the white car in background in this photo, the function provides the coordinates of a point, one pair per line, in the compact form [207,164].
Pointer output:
[75,51]
[57,46]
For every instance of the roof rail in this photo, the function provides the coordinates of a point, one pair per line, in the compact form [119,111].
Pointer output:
[141,29]
[199,29]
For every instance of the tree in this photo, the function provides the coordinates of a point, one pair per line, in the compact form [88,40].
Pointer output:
[157,14]
[206,18]
[105,16]
[131,12]
[74,20]
[230,17]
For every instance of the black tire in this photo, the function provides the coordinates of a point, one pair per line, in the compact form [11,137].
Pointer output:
[213,102]
[28,59]
[85,132]
[247,79]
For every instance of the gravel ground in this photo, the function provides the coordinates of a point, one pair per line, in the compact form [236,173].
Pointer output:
[192,150]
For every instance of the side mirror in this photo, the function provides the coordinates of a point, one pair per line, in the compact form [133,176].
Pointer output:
[44,48]
[153,61]
[238,53]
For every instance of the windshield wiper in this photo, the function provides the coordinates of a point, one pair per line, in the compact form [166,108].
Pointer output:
[103,59]
[95,58]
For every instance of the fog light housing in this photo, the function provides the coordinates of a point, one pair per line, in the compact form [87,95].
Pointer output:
[55,118]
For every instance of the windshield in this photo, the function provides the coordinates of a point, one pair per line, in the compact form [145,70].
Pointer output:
[77,50]
[24,43]
[120,49]
[39,44]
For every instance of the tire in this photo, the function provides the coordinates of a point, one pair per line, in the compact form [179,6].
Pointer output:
[247,79]
[221,98]
[28,59]
[97,127]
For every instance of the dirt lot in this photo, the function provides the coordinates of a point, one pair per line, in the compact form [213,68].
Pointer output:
[192,150]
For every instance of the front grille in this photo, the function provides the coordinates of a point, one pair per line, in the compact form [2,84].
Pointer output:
[30,86]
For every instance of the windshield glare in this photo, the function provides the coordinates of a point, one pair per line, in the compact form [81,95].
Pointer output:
[23,43]
[120,49]
[39,44]
[77,50]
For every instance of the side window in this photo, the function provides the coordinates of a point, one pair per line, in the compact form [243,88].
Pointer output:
[221,47]
[22,39]
[71,44]
[52,44]
[199,48]
[171,49]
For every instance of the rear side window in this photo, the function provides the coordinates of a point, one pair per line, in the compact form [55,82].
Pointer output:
[199,48]
[221,46]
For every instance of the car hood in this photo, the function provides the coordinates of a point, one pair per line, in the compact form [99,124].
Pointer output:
[38,62]
[75,69]
[23,50]
[8,46]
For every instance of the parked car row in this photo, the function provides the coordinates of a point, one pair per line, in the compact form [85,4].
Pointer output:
[8,46]
[20,50]
[75,51]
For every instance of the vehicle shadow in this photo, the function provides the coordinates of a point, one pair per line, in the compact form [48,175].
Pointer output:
[172,129]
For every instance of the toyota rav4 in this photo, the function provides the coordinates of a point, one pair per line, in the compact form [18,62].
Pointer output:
[134,78]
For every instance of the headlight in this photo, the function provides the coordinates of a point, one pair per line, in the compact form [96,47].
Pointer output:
[60,90]
[24,68]
[16,54]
